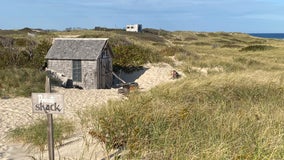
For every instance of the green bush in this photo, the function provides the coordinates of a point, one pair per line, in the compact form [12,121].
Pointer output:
[133,56]
[39,53]
[31,56]
[22,42]
[256,48]
[231,46]
[21,82]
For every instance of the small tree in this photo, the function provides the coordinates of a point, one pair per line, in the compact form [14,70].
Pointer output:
[38,58]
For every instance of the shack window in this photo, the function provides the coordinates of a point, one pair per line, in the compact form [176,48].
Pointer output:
[77,71]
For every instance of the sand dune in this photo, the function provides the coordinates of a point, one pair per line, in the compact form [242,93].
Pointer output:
[17,112]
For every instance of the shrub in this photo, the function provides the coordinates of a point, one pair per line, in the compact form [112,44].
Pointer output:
[133,56]
[21,82]
[231,46]
[256,48]
[22,42]
[201,43]
[38,58]
[202,35]
[31,56]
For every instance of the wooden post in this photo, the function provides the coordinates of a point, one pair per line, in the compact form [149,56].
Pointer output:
[50,124]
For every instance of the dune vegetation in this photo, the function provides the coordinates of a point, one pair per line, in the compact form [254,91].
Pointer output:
[234,111]
[231,113]
[35,135]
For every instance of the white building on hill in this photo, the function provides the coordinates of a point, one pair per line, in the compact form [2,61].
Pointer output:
[134,28]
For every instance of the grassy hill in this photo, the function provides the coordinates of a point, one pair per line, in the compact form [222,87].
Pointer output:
[232,113]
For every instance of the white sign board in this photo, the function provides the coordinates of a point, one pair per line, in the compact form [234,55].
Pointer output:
[51,103]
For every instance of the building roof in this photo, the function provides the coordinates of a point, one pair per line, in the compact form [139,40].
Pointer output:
[76,48]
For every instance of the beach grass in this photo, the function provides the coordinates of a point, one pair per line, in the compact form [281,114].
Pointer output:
[235,116]
[233,113]
[35,135]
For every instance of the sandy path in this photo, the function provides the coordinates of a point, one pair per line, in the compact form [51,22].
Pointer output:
[151,76]
[17,112]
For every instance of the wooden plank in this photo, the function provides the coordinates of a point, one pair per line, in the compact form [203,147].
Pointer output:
[118,77]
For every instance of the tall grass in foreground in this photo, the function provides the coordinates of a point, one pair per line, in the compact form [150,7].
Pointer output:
[233,116]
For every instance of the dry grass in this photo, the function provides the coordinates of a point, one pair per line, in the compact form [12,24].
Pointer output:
[235,114]
[226,116]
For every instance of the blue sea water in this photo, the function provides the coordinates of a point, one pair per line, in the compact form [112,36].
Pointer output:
[268,35]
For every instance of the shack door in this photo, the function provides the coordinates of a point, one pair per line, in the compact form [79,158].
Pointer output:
[105,73]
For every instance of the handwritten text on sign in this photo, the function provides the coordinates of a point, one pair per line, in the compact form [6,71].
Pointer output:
[47,103]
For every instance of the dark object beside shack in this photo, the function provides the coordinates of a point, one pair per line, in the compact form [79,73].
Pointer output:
[127,87]
[68,84]
[175,74]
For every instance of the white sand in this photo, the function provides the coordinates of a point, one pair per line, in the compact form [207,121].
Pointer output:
[17,112]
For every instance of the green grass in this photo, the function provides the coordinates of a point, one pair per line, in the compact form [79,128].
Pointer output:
[21,82]
[35,135]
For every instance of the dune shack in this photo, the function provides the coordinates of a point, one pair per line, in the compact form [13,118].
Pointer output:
[86,62]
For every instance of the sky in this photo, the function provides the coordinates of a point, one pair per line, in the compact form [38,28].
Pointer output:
[248,16]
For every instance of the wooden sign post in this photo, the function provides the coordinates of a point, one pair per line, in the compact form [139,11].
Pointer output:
[49,124]
[48,103]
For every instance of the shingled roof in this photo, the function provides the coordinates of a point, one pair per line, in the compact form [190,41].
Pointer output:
[76,48]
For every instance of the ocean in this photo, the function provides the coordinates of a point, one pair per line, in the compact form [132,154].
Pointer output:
[268,35]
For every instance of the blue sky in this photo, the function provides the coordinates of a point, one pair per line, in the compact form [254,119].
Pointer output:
[250,16]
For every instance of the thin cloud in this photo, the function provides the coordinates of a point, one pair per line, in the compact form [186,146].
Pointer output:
[268,17]
[168,14]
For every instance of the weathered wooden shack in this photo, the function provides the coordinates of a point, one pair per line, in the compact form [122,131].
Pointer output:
[86,61]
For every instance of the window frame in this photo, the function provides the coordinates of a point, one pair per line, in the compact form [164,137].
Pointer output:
[77,70]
